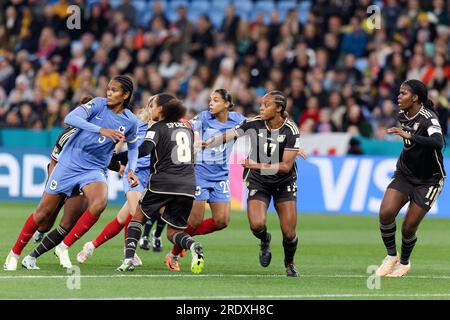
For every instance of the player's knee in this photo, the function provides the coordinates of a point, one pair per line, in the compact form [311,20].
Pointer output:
[97,206]
[257,226]
[408,229]
[171,233]
[195,223]
[387,215]
[222,221]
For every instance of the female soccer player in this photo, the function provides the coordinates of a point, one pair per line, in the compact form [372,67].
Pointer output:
[83,162]
[171,145]
[418,179]
[211,171]
[270,172]
[132,194]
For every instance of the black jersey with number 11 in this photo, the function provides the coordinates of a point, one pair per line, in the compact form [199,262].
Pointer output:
[172,159]
[419,163]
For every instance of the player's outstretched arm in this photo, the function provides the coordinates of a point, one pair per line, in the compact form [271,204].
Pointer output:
[220,139]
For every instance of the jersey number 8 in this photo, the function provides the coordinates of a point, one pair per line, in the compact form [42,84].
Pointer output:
[183,147]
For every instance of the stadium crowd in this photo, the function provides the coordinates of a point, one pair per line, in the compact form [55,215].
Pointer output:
[338,73]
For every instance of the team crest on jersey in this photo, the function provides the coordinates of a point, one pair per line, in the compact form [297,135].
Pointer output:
[122,129]
[281,137]
[416,126]
[53,185]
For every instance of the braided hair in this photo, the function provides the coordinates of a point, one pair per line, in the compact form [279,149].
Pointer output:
[127,86]
[280,101]
[420,89]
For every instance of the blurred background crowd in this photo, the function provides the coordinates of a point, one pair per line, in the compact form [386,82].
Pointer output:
[340,75]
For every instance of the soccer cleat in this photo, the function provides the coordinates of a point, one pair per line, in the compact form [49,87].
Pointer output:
[62,253]
[88,250]
[144,243]
[172,262]
[265,256]
[29,263]
[136,261]
[399,270]
[127,265]
[38,236]
[156,243]
[198,261]
[11,262]
[387,265]
[291,270]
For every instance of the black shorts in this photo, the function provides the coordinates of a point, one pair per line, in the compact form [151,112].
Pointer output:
[280,193]
[424,195]
[177,211]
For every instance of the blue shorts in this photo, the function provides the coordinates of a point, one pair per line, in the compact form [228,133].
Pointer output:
[212,191]
[142,174]
[68,180]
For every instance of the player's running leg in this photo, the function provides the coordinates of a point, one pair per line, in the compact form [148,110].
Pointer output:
[391,204]
[287,213]
[96,194]
[74,207]
[413,217]
[257,217]
[46,207]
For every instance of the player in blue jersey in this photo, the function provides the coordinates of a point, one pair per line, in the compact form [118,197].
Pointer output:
[132,193]
[211,171]
[101,122]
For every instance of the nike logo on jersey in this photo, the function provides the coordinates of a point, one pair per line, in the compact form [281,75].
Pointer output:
[98,118]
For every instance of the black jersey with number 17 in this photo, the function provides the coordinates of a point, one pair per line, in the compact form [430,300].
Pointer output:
[419,163]
[268,146]
[172,158]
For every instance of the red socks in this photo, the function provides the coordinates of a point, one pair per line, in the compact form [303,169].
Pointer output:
[25,235]
[86,221]
[109,231]
[207,226]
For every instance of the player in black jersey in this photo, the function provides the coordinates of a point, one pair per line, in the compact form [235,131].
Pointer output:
[270,172]
[172,181]
[418,179]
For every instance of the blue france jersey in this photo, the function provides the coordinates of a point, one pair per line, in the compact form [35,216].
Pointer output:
[143,162]
[89,150]
[212,163]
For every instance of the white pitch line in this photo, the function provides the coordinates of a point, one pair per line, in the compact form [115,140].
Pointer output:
[293,296]
[214,275]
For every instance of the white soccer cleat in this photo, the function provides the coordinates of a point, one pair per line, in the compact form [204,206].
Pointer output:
[29,263]
[88,250]
[387,265]
[136,261]
[11,262]
[62,252]
[400,270]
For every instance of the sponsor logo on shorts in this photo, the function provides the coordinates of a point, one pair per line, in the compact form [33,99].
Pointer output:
[122,129]
[198,191]
[53,185]
[253,192]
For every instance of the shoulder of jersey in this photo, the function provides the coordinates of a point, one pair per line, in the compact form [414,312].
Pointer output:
[186,122]
[427,114]
[292,126]
[236,116]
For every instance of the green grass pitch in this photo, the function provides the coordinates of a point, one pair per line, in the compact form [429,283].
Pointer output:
[333,256]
